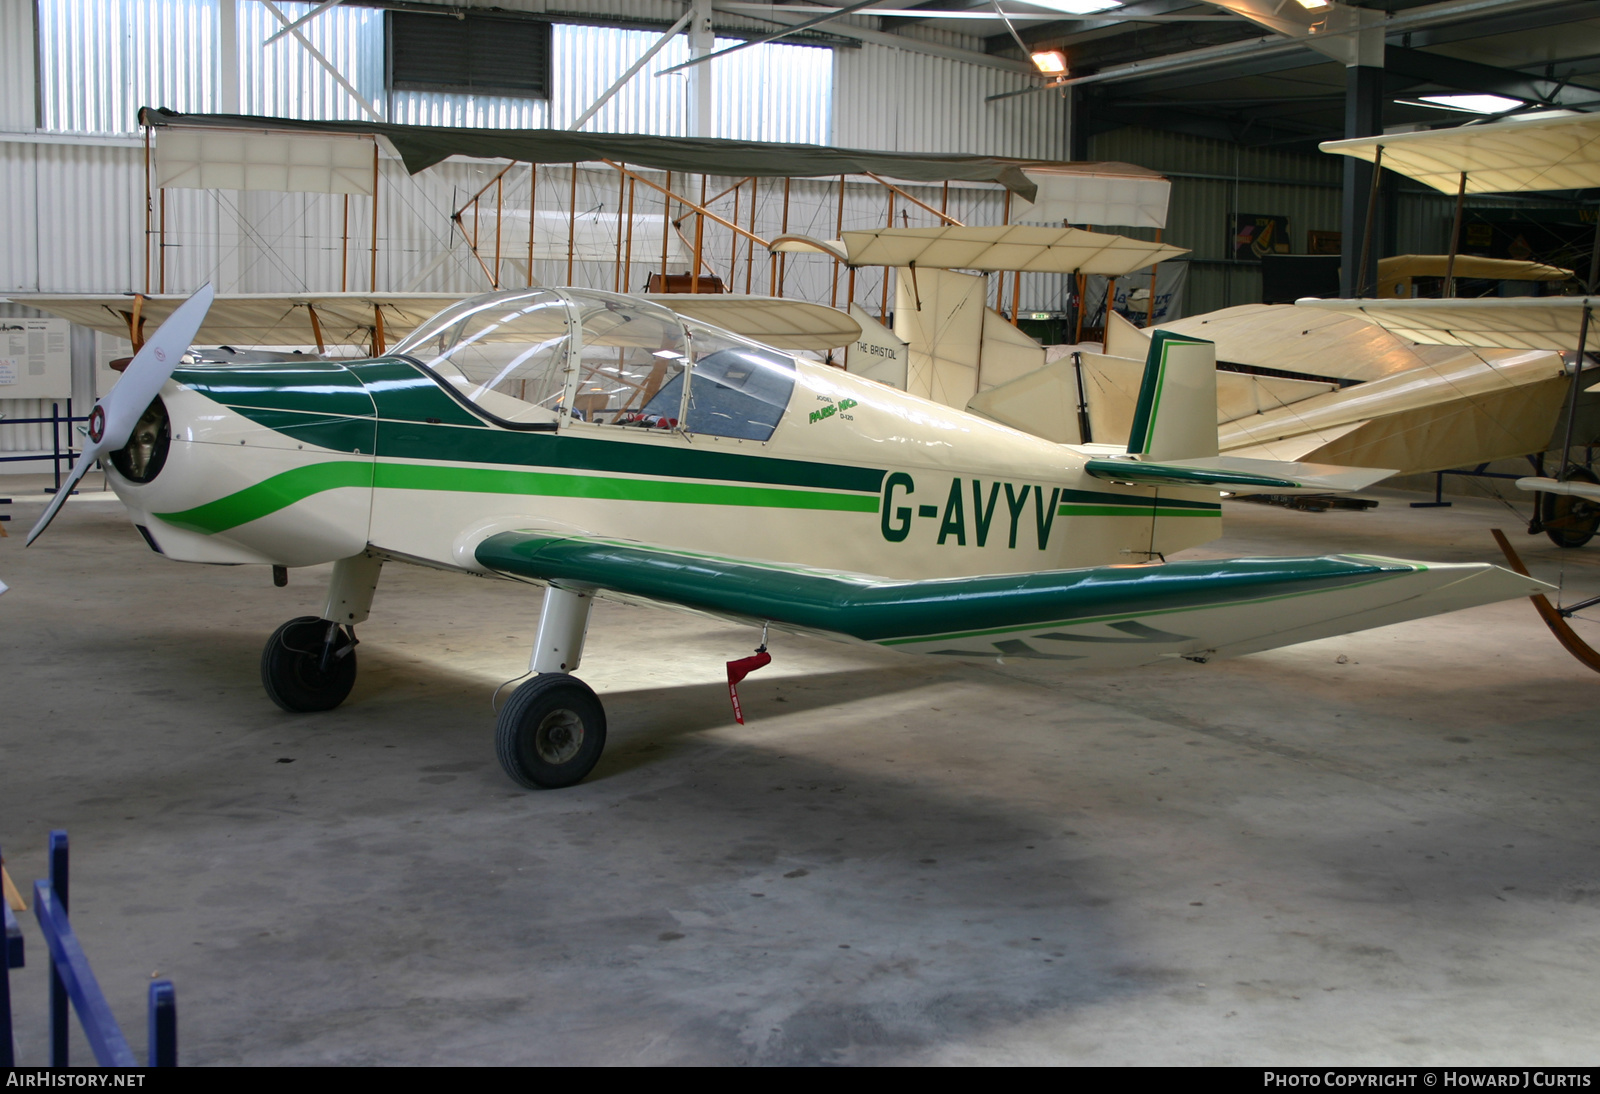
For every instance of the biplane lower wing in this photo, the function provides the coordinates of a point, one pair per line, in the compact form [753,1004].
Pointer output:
[1108,616]
[378,319]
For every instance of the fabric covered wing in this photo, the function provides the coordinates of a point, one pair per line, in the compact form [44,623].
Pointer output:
[1239,475]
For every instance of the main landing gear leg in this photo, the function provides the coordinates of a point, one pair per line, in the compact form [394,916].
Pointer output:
[310,662]
[552,730]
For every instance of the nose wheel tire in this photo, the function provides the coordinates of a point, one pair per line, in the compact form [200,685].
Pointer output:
[551,732]
[293,666]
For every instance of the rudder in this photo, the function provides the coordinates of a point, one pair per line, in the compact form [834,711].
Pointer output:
[1176,415]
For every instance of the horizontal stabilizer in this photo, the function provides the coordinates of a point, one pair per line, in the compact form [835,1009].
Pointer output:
[1100,617]
[1239,475]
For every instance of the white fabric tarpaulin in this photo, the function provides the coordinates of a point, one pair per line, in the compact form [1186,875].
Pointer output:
[1137,199]
[304,162]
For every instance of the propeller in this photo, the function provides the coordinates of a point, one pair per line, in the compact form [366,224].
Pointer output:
[112,420]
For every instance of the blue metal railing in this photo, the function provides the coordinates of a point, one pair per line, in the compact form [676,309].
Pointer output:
[58,454]
[73,986]
[8,1051]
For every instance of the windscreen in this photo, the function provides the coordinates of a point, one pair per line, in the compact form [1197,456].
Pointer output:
[630,369]
[738,388]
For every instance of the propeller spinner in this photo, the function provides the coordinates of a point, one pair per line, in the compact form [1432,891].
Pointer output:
[112,421]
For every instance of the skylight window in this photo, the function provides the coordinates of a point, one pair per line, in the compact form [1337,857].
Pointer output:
[1076,7]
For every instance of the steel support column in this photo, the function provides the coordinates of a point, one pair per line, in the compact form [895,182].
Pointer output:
[1363,117]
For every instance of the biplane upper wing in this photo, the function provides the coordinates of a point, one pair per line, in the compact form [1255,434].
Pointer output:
[1101,616]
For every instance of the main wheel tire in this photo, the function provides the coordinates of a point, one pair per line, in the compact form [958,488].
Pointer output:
[291,668]
[551,732]
[1579,518]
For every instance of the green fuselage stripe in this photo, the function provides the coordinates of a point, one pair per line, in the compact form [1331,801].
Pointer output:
[409,476]
[282,490]
[271,494]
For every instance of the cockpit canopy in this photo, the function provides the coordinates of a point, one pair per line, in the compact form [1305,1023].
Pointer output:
[539,358]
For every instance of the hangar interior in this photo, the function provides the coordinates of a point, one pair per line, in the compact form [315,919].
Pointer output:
[1372,848]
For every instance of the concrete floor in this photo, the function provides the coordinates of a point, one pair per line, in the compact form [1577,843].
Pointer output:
[1383,848]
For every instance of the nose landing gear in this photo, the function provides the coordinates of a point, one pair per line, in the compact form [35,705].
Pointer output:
[309,664]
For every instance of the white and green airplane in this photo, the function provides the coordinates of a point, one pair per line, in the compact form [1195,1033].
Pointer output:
[603,445]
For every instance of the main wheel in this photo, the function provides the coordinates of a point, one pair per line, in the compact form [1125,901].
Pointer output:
[1570,521]
[291,668]
[551,732]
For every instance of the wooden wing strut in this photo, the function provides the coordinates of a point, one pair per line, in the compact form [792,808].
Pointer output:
[1552,618]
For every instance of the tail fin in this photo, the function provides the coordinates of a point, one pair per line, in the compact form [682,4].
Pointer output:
[1176,416]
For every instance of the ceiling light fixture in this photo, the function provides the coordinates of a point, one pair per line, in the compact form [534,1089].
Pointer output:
[1051,62]
[1314,5]
[1474,104]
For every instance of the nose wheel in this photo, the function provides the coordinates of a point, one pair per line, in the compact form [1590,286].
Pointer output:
[309,664]
[551,732]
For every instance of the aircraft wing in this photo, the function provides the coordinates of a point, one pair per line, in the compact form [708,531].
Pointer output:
[1519,322]
[784,323]
[253,319]
[1098,617]
[348,319]
[1240,475]
[1005,247]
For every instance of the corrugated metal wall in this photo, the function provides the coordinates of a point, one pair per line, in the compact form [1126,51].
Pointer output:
[16,65]
[103,59]
[894,99]
[73,218]
[1212,183]
[283,80]
[106,58]
[77,220]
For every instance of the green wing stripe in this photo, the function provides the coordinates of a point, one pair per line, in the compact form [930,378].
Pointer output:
[281,491]
[893,612]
